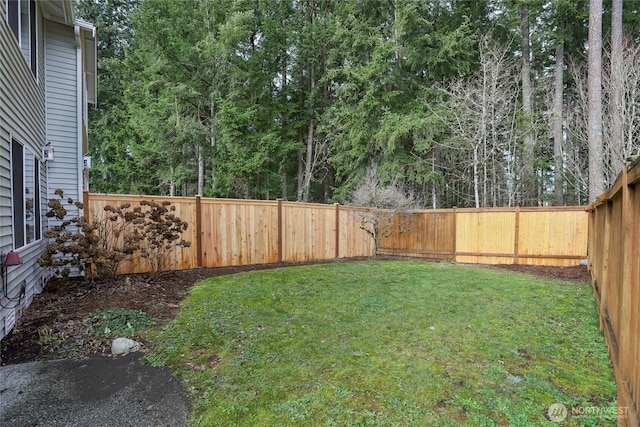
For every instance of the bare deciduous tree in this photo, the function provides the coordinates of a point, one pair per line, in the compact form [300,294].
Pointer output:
[528,176]
[596,163]
[482,120]
[622,102]
[576,145]
[558,118]
[387,207]
[616,80]
[627,92]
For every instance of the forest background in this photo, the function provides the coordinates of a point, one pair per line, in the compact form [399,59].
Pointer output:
[461,103]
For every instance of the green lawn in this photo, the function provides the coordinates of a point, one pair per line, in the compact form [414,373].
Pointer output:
[386,343]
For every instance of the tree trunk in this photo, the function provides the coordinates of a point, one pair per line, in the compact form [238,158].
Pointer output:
[300,175]
[397,34]
[199,149]
[309,163]
[308,167]
[212,141]
[529,194]
[172,182]
[484,123]
[327,186]
[285,183]
[596,164]
[283,121]
[476,191]
[485,176]
[434,194]
[616,145]
[558,136]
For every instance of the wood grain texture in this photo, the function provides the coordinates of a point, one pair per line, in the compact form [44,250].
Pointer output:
[614,264]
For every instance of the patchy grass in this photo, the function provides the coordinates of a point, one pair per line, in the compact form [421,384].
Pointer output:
[120,322]
[382,343]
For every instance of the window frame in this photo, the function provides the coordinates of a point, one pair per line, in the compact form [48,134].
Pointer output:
[29,47]
[26,231]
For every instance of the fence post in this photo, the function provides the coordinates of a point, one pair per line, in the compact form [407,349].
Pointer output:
[85,205]
[198,231]
[455,233]
[279,229]
[516,235]
[337,205]
[625,341]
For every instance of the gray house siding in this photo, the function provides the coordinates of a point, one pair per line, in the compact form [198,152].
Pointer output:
[62,112]
[22,118]
[47,106]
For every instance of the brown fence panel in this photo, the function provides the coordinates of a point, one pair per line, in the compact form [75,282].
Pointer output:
[427,234]
[631,341]
[552,236]
[239,232]
[183,258]
[614,264]
[308,231]
[485,236]
[354,241]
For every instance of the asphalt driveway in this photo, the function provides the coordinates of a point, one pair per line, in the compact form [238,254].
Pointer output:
[99,391]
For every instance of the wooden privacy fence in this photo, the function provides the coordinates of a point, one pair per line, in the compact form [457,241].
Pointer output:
[226,232]
[555,236]
[614,263]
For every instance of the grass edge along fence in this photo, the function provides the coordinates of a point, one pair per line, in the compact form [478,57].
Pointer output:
[227,232]
[614,264]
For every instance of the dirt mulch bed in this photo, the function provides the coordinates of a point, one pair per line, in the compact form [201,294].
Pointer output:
[59,323]
[573,274]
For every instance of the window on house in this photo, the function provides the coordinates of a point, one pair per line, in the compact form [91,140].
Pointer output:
[25,173]
[21,16]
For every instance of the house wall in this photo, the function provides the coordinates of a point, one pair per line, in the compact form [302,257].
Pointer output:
[22,117]
[62,113]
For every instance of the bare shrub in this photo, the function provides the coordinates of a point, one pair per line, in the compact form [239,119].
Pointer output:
[102,242]
[157,233]
[98,243]
[387,208]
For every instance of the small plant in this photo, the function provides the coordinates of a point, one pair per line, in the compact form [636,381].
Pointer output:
[120,322]
[48,337]
[57,344]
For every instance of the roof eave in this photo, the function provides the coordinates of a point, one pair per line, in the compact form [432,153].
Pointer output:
[58,10]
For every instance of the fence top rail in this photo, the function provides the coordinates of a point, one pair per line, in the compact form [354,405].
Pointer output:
[526,209]
[218,200]
[135,197]
[435,211]
[309,205]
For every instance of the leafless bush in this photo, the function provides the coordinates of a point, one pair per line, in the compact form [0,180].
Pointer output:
[387,208]
[100,242]
[157,231]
